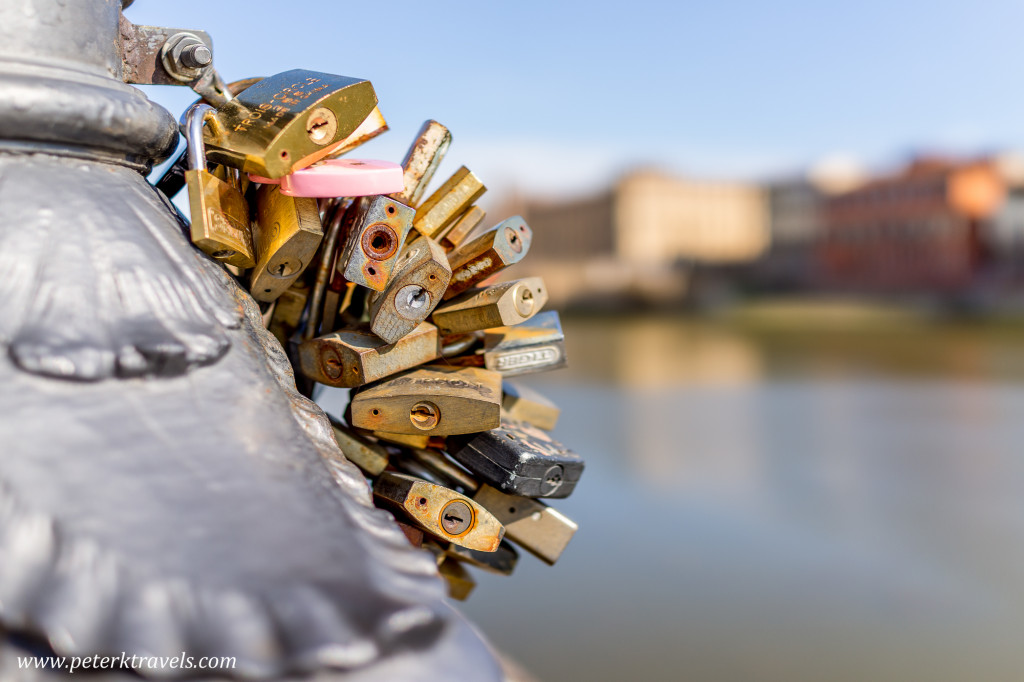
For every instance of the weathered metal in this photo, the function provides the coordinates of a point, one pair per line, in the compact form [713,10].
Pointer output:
[442,208]
[421,161]
[440,511]
[494,250]
[163,487]
[352,358]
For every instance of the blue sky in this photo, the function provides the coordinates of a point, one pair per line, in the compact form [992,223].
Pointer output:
[556,98]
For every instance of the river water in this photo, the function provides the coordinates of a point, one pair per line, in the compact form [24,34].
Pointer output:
[780,502]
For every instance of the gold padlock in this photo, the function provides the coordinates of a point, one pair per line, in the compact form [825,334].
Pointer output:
[438,510]
[355,357]
[499,305]
[287,232]
[420,278]
[460,583]
[431,400]
[287,314]
[457,233]
[288,121]
[220,214]
[447,203]
[539,529]
[418,440]
[492,251]
[531,524]
[370,457]
[422,160]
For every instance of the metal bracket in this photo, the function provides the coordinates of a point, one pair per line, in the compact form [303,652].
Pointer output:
[150,55]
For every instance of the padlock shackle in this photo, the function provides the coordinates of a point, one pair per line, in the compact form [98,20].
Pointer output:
[195,119]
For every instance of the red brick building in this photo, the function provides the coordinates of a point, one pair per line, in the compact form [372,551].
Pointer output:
[920,230]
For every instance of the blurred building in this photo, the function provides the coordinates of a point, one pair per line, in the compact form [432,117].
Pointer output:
[921,230]
[796,220]
[641,239]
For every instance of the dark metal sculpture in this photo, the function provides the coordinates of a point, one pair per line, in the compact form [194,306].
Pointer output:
[163,487]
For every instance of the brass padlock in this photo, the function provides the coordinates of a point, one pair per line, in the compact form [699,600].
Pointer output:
[447,203]
[519,459]
[531,524]
[411,440]
[220,214]
[461,229]
[537,345]
[422,160]
[485,255]
[287,234]
[403,439]
[460,583]
[431,400]
[288,121]
[499,305]
[355,357]
[438,510]
[521,403]
[376,231]
[370,457]
[287,314]
[420,278]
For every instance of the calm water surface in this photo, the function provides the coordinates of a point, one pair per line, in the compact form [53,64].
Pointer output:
[780,504]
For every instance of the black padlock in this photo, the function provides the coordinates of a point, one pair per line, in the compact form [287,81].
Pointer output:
[519,458]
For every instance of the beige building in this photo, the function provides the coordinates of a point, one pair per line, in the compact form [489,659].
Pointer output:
[637,238]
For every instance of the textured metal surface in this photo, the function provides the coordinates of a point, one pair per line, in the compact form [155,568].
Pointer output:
[189,511]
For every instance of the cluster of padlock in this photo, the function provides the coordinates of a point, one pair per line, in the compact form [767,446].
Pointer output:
[373,288]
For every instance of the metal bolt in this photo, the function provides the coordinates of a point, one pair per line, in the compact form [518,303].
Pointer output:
[456,517]
[196,56]
[185,56]
[411,300]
